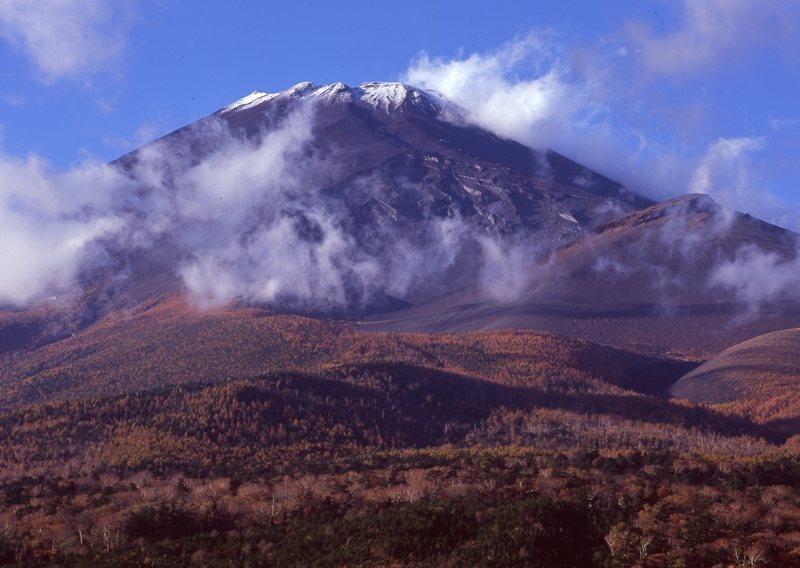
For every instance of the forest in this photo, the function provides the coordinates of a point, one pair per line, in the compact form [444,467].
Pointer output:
[313,443]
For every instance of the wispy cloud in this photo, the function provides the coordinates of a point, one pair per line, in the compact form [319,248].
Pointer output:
[726,173]
[758,277]
[49,221]
[790,124]
[13,100]
[146,132]
[714,33]
[66,38]
[723,169]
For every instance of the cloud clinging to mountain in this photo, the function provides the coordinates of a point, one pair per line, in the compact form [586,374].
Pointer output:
[50,221]
[545,92]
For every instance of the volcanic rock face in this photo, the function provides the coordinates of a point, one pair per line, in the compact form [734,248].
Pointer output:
[413,156]
[345,200]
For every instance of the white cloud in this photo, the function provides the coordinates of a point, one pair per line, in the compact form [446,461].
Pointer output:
[714,33]
[758,277]
[48,223]
[539,110]
[723,169]
[65,38]
[726,173]
[507,270]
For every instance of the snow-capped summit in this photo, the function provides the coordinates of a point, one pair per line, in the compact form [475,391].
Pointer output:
[391,98]
[254,98]
[333,92]
[388,97]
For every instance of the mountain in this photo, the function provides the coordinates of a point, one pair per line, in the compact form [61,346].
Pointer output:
[387,162]
[383,201]
[654,280]
[367,199]
[342,326]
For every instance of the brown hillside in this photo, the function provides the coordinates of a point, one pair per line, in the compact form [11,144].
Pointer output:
[760,377]
[173,343]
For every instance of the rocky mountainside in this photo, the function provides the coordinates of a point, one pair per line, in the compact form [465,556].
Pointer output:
[678,277]
[382,200]
[366,198]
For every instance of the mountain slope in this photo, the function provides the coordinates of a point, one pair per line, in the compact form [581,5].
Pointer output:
[172,343]
[647,281]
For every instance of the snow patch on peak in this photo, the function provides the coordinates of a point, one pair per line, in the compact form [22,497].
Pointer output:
[254,98]
[390,98]
[333,92]
[259,97]
[386,96]
[300,88]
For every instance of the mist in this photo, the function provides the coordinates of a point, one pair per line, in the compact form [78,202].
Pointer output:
[693,250]
[51,222]
[245,218]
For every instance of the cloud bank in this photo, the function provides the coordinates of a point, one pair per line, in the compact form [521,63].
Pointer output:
[49,222]
[538,111]
[696,248]
[758,277]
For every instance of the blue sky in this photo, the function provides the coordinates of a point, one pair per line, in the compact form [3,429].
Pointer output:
[667,97]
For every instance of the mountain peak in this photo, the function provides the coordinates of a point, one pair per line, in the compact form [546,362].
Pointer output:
[254,98]
[387,97]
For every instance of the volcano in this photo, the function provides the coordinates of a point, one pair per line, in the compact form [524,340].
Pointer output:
[383,203]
